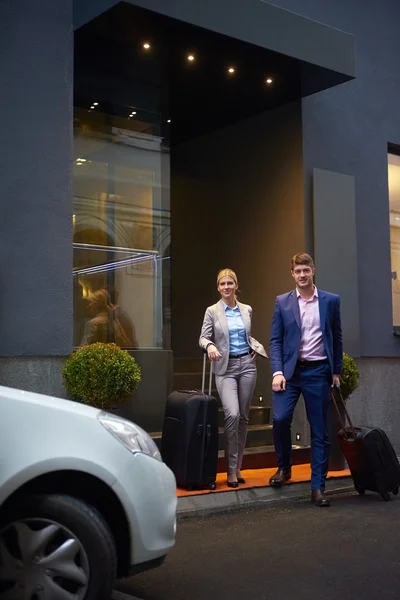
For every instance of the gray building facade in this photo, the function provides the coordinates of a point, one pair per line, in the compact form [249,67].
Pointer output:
[305,169]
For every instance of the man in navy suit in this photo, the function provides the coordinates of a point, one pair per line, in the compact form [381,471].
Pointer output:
[306,356]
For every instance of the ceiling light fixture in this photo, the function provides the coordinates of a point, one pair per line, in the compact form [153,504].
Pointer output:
[231,70]
[93,106]
[169,121]
[95,103]
[269,80]
[146,46]
[190,57]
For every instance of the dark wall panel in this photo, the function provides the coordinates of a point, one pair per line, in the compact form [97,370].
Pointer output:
[35,172]
[335,248]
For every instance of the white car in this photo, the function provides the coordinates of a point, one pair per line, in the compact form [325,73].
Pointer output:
[84,498]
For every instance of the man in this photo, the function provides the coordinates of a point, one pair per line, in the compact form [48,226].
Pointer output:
[306,357]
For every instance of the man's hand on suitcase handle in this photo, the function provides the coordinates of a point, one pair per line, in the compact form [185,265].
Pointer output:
[336,381]
[212,352]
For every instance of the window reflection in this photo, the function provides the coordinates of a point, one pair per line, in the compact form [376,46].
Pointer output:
[121,229]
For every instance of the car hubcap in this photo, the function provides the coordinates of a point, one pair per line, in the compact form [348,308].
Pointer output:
[41,560]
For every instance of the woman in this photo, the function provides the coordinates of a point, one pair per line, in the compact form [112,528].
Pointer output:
[104,326]
[225,336]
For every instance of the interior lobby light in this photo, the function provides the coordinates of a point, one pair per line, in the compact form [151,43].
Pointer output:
[190,57]
[93,106]
[231,70]
[146,46]
[95,103]
[269,80]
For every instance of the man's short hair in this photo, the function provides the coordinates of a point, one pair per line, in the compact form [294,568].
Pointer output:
[302,259]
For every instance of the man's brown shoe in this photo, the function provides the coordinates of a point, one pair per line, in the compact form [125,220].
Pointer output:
[319,498]
[280,477]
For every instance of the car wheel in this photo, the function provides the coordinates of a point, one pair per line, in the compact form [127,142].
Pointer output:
[56,546]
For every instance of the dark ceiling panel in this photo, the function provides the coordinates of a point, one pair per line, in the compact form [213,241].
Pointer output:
[112,67]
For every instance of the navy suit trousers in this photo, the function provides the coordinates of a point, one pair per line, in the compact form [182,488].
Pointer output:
[314,382]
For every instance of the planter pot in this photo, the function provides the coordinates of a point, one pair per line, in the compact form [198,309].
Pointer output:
[336,460]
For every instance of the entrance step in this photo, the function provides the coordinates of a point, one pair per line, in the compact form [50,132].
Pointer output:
[258,415]
[257,435]
[255,457]
[264,457]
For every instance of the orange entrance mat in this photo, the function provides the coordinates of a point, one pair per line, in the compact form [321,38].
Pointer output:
[260,478]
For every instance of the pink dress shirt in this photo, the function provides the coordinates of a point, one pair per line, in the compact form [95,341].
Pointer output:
[311,343]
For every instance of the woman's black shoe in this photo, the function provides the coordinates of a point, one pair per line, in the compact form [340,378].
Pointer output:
[232,484]
[241,480]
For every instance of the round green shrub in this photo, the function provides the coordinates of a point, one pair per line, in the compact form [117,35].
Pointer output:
[350,376]
[101,375]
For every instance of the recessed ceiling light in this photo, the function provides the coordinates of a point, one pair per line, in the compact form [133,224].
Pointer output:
[169,121]
[231,70]
[269,80]
[133,113]
[190,57]
[146,46]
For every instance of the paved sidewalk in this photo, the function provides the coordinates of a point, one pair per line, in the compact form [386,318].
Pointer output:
[256,491]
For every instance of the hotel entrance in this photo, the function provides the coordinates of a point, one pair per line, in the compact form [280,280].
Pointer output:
[188,158]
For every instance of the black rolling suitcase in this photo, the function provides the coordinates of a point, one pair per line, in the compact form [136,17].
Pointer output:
[189,444]
[371,457]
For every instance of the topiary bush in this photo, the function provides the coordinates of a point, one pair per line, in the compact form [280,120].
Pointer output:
[101,375]
[350,376]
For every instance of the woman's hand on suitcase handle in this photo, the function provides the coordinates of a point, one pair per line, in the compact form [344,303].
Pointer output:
[335,381]
[212,352]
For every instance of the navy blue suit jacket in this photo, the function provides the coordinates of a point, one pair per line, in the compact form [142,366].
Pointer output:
[286,332]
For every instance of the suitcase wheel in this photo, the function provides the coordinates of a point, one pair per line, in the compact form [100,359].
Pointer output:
[212,485]
[386,496]
[360,490]
[395,491]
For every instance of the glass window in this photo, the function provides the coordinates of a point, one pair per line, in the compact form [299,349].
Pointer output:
[121,226]
[394,205]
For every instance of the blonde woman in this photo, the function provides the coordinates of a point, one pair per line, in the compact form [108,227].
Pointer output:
[225,336]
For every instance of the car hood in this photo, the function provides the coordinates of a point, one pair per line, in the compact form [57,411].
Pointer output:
[49,402]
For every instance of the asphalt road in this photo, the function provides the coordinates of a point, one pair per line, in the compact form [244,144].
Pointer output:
[293,551]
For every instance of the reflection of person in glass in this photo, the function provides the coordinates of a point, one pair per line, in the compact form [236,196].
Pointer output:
[103,325]
[126,322]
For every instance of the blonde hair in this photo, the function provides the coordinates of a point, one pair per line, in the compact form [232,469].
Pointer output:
[227,273]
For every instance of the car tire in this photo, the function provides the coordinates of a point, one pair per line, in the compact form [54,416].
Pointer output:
[64,542]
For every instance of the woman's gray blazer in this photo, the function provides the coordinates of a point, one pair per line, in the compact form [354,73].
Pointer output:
[215,329]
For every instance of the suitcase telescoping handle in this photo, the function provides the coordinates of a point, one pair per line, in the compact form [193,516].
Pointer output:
[204,374]
[342,423]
